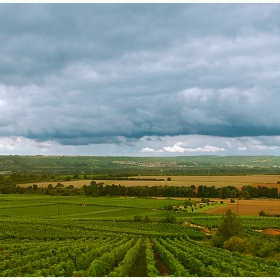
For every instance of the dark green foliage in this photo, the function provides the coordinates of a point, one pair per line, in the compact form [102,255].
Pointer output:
[262,245]
[235,243]
[98,189]
[245,195]
[262,213]
[171,219]
[147,219]
[248,192]
[231,226]
[137,218]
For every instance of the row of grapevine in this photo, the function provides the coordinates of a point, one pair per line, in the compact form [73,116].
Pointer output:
[65,230]
[115,256]
[50,258]
[261,222]
[83,260]
[214,221]
[151,269]
[104,264]
[125,266]
[173,265]
[195,266]
[208,261]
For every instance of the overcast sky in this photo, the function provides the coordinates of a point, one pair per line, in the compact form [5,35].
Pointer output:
[140,79]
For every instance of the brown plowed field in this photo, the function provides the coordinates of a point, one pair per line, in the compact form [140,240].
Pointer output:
[249,207]
[272,231]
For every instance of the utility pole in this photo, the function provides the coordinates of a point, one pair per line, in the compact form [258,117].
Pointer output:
[237,205]
[58,206]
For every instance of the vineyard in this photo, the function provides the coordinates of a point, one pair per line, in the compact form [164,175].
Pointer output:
[106,254]
[96,237]
[250,222]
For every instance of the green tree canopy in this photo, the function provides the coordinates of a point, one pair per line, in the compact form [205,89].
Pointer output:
[231,226]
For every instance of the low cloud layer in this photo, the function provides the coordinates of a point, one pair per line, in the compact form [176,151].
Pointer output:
[78,76]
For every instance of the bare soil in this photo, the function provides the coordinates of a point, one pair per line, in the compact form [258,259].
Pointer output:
[249,207]
[162,269]
[272,231]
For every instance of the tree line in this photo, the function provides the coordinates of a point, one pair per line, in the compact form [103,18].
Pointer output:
[98,189]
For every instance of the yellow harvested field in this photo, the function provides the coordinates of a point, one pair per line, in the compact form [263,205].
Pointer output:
[76,184]
[217,181]
[249,207]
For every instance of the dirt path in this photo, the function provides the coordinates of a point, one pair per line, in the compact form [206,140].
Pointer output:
[272,231]
[162,269]
[139,269]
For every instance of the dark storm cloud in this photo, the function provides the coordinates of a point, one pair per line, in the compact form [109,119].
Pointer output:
[114,73]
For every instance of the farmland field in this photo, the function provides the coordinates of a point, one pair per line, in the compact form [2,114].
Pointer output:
[57,220]
[218,181]
[99,236]
[250,207]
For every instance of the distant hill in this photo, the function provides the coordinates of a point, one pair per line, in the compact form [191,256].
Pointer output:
[127,166]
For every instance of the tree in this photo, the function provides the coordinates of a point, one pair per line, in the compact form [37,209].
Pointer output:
[231,226]
[169,207]
[137,218]
[170,219]
[262,213]
[246,195]
[68,178]
[147,219]
[233,193]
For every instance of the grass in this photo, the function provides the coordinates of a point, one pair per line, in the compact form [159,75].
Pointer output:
[42,206]
[97,208]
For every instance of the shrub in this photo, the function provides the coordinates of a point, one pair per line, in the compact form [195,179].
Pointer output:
[137,218]
[235,243]
[262,213]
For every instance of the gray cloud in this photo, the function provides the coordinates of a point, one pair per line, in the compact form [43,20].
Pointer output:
[80,74]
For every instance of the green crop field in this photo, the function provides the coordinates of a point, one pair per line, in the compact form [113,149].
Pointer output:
[46,207]
[116,236]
